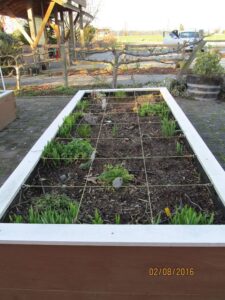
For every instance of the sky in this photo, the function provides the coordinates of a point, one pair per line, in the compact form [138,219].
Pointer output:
[160,14]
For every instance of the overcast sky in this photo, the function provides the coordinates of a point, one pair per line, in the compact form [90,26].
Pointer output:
[160,14]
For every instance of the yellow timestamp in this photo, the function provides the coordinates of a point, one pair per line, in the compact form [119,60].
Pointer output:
[156,271]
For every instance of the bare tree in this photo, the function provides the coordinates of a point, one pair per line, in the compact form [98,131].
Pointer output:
[118,56]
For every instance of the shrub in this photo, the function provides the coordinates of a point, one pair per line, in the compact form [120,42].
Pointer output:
[208,64]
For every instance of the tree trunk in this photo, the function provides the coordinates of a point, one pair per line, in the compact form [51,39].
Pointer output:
[115,70]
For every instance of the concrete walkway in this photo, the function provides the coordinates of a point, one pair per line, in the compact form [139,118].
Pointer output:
[81,80]
[35,114]
[208,117]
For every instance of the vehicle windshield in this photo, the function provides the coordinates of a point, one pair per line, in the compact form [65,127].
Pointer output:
[190,34]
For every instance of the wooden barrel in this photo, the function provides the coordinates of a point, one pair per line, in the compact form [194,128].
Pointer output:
[203,88]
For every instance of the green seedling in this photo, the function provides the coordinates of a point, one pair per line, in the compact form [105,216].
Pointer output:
[53,150]
[120,94]
[157,220]
[115,130]
[85,166]
[76,149]
[68,124]
[16,219]
[97,218]
[84,131]
[168,127]
[82,106]
[50,209]
[65,129]
[189,216]
[112,172]
[117,219]
[179,148]
[153,109]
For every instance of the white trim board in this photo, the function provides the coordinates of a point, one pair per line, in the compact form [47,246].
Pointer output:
[117,235]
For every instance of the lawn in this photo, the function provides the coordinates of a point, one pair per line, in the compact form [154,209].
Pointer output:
[218,37]
[140,39]
[148,39]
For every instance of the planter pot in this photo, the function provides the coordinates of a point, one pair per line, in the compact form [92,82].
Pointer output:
[86,261]
[7,108]
[203,88]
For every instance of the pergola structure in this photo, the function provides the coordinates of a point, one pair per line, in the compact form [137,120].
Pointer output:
[47,12]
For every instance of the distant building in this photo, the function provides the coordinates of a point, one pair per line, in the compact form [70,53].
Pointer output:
[101,34]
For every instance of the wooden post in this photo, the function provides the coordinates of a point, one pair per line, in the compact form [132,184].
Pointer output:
[62,26]
[31,21]
[18,83]
[82,42]
[43,24]
[72,37]
[63,54]
[57,29]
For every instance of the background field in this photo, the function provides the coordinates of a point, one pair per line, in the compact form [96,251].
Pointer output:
[148,39]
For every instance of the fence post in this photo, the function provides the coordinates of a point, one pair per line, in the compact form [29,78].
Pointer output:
[2,78]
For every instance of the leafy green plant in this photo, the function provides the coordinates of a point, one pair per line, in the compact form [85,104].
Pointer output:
[76,149]
[112,172]
[16,219]
[65,129]
[53,150]
[157,220]
[168,127]
[188,216]
[120,94]
[208,64]
[83,106]
[84,130]
[150,109]
[179,148]
[50,209]
[115,130]
[97,219]
[117,219]
[68,124]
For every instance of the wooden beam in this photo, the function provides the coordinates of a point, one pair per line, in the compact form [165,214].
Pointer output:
[69,5]
[71,36]
[64,3]
[31,21]
[82,42]
[44,22]
[19,26]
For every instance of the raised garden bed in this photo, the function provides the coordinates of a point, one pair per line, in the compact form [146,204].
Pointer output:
[141,163]
[7,108]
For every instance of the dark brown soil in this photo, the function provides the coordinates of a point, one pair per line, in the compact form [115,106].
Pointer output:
[121,118]
[130,131]
[165,147]
[119,148]
[70,175]
[199,197]
[171,171]
[130,203]
[162,176]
